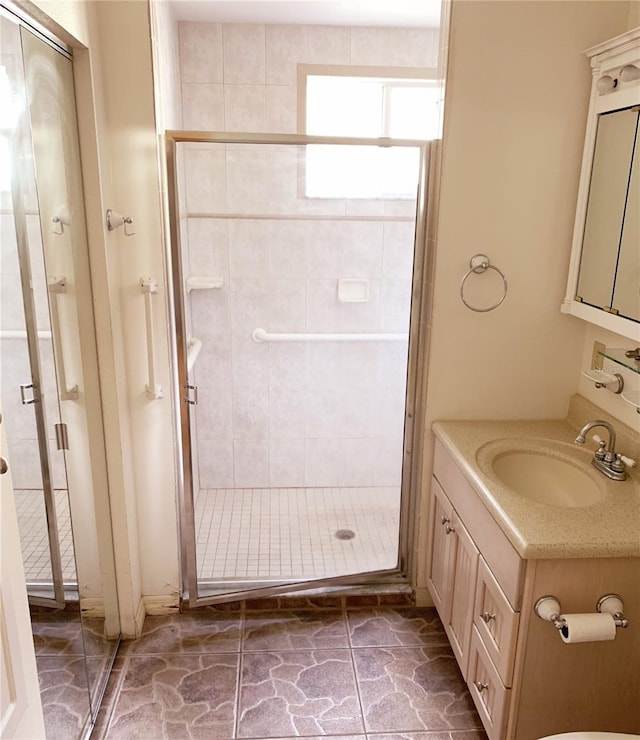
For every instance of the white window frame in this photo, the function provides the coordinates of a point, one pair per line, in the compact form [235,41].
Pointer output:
[389,77]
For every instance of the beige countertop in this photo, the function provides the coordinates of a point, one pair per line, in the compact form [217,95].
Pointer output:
[608,528]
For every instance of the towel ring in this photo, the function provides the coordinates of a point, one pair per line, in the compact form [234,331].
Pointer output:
[478,264]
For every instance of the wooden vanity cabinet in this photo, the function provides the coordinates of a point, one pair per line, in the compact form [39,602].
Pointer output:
[525,682]
[452,579]
[479,619]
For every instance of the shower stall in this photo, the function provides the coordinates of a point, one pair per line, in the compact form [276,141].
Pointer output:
[297,267]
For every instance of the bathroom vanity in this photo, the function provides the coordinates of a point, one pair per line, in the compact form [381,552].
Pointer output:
[494,552]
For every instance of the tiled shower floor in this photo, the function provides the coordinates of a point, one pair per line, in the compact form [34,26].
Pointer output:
[291,532]
[32,524]
[350,673]
[245,534]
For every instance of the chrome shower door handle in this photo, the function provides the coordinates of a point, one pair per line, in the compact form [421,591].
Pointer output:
[24,387]
[192,401]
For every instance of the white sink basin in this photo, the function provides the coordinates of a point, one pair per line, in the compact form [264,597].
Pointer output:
[553,474]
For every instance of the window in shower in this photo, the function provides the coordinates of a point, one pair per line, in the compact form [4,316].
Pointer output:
[373,104]
[293,327]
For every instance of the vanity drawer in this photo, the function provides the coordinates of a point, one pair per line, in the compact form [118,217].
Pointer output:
[487,690]
[496,622]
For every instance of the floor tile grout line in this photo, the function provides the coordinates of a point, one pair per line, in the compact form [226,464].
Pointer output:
[116,697]
[355,672]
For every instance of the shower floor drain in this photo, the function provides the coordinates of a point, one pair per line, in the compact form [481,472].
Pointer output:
[344,534]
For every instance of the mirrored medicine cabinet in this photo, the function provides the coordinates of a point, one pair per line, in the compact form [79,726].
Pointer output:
[604,274]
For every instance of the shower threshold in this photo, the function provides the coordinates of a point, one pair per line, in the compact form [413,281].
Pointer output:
[394,585]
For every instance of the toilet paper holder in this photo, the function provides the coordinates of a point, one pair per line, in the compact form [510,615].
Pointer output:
[548,608]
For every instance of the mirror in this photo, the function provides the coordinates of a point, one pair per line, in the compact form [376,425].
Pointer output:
[610,258]
[604,274]
[49,382]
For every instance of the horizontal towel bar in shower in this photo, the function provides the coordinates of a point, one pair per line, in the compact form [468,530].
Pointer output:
[262,335]
[21,334]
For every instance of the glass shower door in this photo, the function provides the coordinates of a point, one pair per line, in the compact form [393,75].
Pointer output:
[29,401]
[293,277]
[50,382]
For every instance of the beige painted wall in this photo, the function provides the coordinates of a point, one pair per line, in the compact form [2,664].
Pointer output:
[515,111]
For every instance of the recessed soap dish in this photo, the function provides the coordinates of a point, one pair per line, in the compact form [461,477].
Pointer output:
[353,290]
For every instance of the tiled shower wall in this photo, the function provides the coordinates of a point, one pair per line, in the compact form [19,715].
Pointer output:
[289,414]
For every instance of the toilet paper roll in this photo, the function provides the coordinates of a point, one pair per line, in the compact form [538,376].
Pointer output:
[592,627]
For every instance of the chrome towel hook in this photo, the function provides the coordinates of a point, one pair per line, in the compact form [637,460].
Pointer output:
[478,264]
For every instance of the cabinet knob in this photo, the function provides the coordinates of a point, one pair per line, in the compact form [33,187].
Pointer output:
[447,525]
[4,466]
[487,617]
[480,686]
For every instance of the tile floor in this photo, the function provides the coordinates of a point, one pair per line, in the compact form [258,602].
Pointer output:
[34,536]
[289,533]
[384,672]
[72,657]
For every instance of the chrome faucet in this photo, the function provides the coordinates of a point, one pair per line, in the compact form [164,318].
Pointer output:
[606,459]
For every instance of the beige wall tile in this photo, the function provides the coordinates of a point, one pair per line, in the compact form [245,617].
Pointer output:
[328,45]
[244,107]
[286,47]
[203,107]
[406,47]
[281,109]
[201,52]
[244,54]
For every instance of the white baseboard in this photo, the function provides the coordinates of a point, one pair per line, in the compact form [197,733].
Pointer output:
[161,605]
[423,597]
[92,606]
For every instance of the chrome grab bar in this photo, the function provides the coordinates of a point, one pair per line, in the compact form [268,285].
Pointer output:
[56,286]
[149,288]
[262,335]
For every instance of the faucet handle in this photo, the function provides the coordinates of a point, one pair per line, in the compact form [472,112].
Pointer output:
[629,462]
[601,451]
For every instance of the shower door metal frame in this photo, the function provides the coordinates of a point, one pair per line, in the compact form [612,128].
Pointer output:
[180,387]
[18,187]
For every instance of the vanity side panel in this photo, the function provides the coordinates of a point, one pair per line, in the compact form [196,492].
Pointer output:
[503,560]
[594,686]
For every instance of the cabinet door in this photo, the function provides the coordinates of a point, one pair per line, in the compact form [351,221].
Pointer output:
[465,570]
[439,580]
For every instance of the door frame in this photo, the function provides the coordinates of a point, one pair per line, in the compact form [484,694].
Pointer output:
[418,340]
